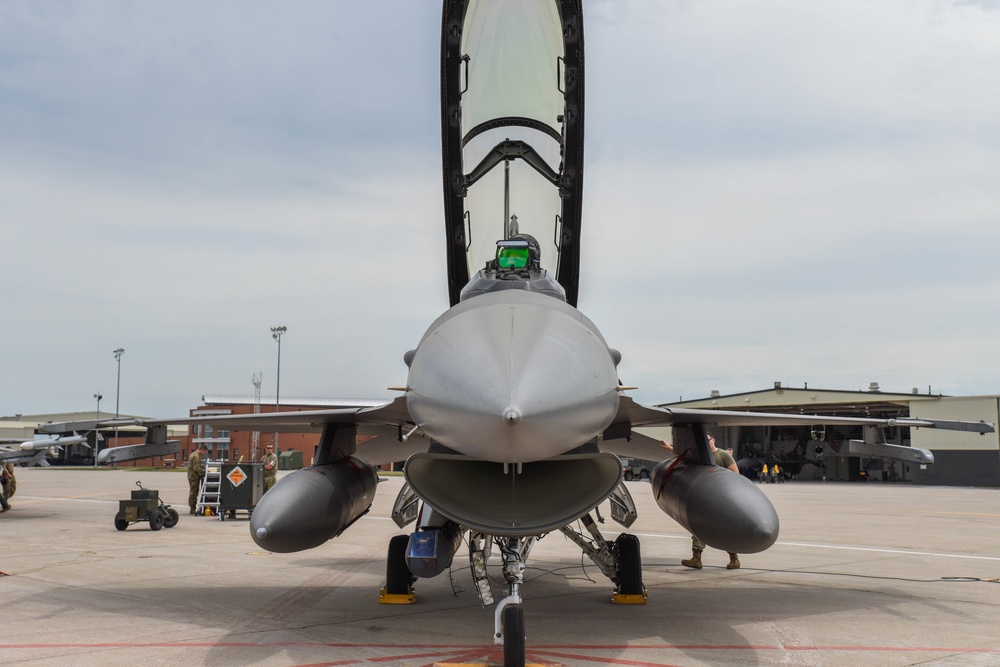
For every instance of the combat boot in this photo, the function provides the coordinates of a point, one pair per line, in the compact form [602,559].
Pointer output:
[734,561]
[694,561]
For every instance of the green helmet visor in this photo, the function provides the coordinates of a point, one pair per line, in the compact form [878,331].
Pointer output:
[512,256]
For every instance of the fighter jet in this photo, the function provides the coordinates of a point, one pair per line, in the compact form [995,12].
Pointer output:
[512,413]
[32,452]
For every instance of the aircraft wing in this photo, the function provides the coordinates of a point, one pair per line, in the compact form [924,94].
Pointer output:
[7,452]
[28,457]
[386,428]
[392,413]
[620,439]
[631,414]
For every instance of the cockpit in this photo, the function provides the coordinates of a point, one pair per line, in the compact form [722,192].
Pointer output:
[512,112]
[517,264]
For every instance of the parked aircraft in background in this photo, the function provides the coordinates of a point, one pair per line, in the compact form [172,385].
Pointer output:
[512,413]
[33,452]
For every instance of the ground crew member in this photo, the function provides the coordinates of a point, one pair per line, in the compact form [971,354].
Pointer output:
[723,459]
[6,474]
[270,462]
[196,474]
[9,481]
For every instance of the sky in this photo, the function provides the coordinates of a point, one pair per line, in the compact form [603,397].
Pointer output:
[803,192]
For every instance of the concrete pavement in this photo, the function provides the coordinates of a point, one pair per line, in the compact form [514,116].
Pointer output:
[863,573]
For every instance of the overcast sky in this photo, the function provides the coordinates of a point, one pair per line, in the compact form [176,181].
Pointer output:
[805,192]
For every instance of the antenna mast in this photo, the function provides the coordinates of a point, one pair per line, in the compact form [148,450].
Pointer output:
[255,436]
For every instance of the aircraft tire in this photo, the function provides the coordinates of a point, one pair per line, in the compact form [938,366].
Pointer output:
[120,522]
[629,561]
[172,517]
[156,520]
[398,578]
[513,636]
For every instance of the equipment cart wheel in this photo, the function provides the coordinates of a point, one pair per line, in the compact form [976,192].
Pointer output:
[172,517]
[513,636]
[120,522]
[156,519]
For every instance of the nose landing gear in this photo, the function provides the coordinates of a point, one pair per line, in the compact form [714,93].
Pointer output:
[508,621]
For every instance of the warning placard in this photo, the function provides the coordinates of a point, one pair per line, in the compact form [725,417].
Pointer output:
[236,476]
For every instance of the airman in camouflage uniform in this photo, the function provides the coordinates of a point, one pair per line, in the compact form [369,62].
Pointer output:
[9,481]
[7,486]
[196,474]
[723,459]
[270,462]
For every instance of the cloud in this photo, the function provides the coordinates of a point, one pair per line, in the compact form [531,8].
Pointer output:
[774,191]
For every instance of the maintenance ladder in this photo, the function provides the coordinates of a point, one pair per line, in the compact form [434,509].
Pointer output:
[211,488]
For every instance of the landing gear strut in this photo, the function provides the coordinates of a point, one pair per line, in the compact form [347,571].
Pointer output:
[620,561]
[508,622]
[508,619]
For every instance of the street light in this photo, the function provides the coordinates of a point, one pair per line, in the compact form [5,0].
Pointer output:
[276,334]
[97,434]
[118,357]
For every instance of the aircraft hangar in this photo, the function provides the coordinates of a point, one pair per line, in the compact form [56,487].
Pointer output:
[960,459]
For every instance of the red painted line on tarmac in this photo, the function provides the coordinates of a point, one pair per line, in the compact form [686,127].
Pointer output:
[604,661]
[464,655]
[462,650]
[904,649]
[450,655]
[209,644]
[755,647]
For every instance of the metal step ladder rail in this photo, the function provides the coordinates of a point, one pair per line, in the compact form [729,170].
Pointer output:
[211,488]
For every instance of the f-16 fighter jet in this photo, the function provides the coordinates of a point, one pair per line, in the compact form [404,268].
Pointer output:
[512,413]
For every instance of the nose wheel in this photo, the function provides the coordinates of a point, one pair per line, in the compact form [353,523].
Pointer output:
[513,636]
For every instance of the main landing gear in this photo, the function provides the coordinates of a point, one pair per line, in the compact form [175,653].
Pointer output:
[619,560]
[398,578]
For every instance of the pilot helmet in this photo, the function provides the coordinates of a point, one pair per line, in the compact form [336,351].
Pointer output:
[534,250]
[518,253]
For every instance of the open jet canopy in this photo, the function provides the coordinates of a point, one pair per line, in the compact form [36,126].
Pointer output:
[512,133]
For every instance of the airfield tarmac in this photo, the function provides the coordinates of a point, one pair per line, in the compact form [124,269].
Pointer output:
[863,573]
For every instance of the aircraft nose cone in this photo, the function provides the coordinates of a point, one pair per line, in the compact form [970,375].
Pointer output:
[512,416]
[512,377]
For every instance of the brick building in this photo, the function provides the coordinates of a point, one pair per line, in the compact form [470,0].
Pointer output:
[231,445]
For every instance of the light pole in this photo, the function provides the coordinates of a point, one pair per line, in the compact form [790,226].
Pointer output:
[276,334]
[118,357]
[97,434]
